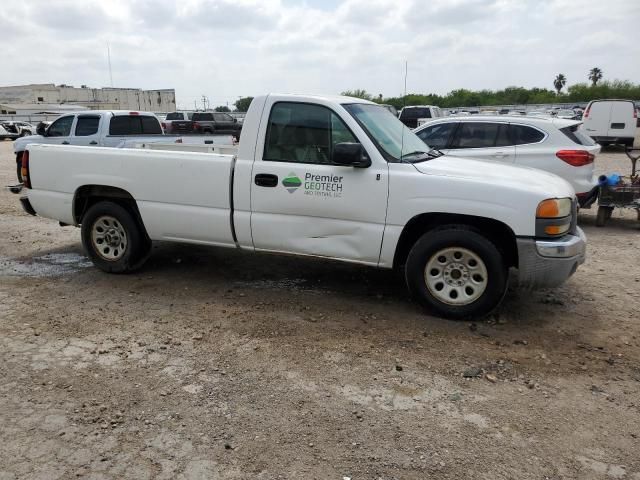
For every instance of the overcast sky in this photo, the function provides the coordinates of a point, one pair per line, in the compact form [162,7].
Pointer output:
[230,48]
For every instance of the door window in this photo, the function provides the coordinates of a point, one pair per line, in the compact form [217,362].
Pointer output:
[202,117]
[223,118]
[61,127]
[86,126]
[476,135]
[437,136]
[303,133]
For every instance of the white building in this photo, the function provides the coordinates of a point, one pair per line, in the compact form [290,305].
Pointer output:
[93,98]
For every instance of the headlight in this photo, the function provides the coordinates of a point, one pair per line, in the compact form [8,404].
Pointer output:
[554,208]
[553,217]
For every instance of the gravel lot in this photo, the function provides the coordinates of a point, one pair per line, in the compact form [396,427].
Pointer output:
[213,364]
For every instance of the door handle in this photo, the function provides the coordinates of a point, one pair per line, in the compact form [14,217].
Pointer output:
[266,180]
[65,143]
[93,143]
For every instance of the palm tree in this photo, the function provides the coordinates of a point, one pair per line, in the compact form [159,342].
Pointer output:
[559,82]
[595,75]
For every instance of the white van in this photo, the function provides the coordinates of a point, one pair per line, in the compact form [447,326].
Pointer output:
[410,116]
[610,121]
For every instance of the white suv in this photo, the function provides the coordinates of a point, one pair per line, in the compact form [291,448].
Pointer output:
[551,144]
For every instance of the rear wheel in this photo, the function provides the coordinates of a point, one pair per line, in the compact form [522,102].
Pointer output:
[456,272]
[113,239]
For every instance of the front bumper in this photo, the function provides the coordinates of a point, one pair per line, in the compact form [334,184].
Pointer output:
[548,263]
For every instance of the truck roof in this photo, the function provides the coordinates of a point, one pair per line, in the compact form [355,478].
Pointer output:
[114,112]
[331,98]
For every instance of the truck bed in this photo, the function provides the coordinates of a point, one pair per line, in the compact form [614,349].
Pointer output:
[199,213]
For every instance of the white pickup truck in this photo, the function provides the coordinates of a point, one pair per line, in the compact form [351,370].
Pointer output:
[333,177]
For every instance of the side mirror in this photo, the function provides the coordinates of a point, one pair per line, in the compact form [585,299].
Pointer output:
[41,129]
[235,120]
[350,154]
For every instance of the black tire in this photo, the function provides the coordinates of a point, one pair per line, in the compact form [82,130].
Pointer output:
[604,214]
[19,166]
[137,245]
[464,238]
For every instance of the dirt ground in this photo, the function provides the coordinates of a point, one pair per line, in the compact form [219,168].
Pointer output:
[214,364]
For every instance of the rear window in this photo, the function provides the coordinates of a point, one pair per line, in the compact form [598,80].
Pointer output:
[175,116]
[134,125]
[414,113]
[576,135]
[203,117]
[521,135]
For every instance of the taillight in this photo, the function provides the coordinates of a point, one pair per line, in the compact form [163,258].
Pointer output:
[164,125]
[576,158]
[586,112]
[635,113]
[26,181]
[196,125]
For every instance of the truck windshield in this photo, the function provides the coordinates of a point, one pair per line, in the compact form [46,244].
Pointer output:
[393,138]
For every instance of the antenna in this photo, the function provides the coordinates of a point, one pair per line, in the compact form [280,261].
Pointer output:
[404,104]
[109,59]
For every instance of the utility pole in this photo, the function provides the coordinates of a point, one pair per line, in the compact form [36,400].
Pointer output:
[109,60]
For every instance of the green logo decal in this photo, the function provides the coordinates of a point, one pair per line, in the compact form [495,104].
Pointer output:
[291,182]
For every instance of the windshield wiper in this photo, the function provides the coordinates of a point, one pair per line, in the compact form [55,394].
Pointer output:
[422,156]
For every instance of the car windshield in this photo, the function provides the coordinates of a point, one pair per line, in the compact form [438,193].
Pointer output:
[394,139]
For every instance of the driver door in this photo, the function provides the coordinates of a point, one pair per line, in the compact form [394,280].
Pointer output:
[303,203]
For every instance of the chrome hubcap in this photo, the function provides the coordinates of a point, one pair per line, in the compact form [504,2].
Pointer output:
[456,276]
[109,238]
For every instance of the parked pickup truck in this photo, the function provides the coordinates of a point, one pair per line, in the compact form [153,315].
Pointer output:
[178,122]
[100,128]
[332,177]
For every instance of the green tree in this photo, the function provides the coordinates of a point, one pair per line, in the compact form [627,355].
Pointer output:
[559,82]
[222,108]
[595,75]
[242,104]
[358,93]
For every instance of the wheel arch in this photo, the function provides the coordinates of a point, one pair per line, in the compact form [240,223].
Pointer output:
[499,233]
[88,195]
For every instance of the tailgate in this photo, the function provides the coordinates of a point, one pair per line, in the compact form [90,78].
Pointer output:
[181,126]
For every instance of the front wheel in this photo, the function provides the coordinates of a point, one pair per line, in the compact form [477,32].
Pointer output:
[456,272]
[113,239]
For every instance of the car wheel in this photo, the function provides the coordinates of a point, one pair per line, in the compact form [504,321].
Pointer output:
[456,272]
[113,238]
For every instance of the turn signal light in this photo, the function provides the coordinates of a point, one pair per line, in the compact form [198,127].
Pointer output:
[554,208]
[576,158]
[556,229]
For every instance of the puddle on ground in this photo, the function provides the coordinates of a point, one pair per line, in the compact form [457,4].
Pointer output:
[49,265]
